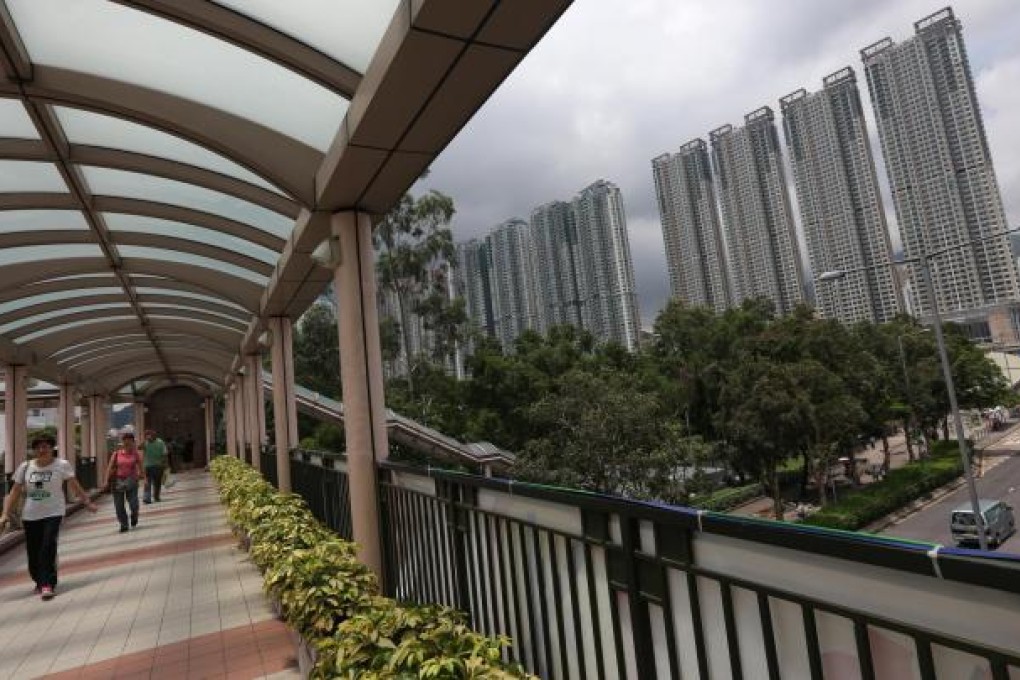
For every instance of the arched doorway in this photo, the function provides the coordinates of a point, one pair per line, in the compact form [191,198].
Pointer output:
[176,414]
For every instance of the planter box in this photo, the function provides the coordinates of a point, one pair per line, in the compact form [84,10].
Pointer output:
[306,655]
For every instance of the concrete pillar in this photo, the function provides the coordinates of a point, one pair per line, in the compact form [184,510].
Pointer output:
[239,419]
[100,424]
[65,425]
[208,406]
[15,416]
[139,420]
[252,377]
[284,405]
[362,378]
[86,430]
[228,422]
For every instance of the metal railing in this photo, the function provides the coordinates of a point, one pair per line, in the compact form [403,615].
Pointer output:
[320,477]
[267,460]
[591,586]
[85,471]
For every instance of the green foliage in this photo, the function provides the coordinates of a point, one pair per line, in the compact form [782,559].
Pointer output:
[858,508]
[728,498]
[333,600]
[317,351]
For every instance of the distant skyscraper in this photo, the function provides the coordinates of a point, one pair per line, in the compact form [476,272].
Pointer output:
[765,260]
[558,265]
[610,308]
[695,253]
[474,285]
[840,205]
[512,281]
[940,170]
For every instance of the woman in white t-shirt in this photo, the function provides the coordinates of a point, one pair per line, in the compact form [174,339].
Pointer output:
[41,481]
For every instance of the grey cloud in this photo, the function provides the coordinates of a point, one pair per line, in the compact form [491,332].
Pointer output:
[615,84]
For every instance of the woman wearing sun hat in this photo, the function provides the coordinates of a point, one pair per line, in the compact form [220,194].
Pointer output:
[41,481]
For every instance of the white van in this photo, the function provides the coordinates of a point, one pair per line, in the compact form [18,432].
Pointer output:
[999,522]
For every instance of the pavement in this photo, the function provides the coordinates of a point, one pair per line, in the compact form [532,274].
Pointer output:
[1000,479]
[173,598]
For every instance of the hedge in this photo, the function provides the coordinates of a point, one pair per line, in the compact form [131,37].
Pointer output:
[728,498]
[333,601]
[860,507]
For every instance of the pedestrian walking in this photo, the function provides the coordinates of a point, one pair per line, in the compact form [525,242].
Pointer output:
[41,481]
[154,459]
[122,477]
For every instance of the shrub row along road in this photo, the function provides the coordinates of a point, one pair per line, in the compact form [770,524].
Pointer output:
[1001,480]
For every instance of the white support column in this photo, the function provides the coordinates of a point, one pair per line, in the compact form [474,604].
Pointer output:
[362,378]
[65,425]
[208,406]
[15,415]
[284,405]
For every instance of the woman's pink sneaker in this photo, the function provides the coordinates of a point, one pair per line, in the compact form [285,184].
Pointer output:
[47,592]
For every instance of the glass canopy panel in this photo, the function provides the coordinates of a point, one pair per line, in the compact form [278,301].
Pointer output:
[113,41]
[188,308]
[109,182]
[57,313]
[95,129]
[154,225]
[204,322]
[42,220]
[34,176]
[347,30]
[71,326]
[45,298]
[14,121]
[56,251]
[164,255]
[149,290]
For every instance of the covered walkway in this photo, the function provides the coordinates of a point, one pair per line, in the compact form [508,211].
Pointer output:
[173,598]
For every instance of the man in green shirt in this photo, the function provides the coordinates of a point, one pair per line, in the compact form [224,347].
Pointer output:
[154,460]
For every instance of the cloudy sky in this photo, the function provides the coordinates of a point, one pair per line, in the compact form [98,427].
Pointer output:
[617,82]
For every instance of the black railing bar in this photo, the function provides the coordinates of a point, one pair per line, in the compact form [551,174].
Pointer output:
[1000,571]
[854,614]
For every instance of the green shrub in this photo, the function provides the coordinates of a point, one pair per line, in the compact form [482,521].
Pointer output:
[727,499]
[860,507]
[396,641]
[333,600]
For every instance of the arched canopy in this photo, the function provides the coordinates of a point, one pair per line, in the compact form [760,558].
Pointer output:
[168,167]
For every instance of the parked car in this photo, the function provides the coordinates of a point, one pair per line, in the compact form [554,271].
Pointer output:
[998,517]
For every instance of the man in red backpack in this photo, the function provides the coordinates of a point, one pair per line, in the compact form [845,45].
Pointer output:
[122,477]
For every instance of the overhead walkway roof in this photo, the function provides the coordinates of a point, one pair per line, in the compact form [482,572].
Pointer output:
[168,168]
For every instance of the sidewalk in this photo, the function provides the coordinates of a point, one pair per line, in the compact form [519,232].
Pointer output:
[173,598]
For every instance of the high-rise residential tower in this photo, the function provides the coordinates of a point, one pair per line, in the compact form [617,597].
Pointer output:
[695,253]
[610,307]
[559,266]
[511,281]
[765,260]
[940,170]
[473,283]
[841,208]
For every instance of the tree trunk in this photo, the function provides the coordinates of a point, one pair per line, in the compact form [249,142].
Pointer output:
[406,332]
[945,428]
[907,437]
[777,494]
[886,455]
[804,474]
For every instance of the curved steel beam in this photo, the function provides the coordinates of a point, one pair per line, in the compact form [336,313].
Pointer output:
[115,381]
[256,37]
[123,357]
[72,302]
[143,208]
[182,377]
[94,315]
[281,160]
[239,291]
[49,344]
[119,159]
[167,345]
[65,354]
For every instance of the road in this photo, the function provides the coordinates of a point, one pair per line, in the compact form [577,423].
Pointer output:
[1001,480]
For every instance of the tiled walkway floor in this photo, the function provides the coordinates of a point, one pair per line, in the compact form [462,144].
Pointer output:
[173,598]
